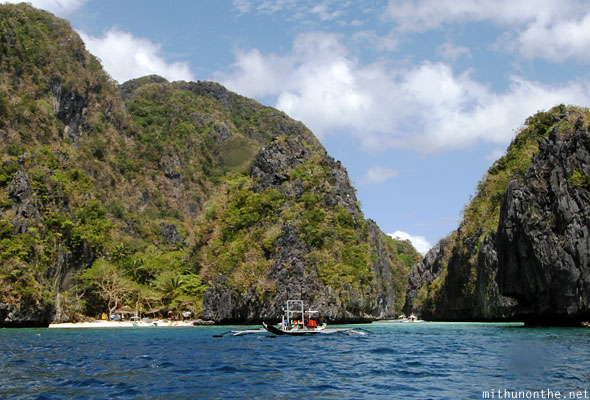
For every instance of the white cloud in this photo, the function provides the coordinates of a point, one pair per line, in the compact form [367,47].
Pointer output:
[427,107]
[264,6]
[452,52]
[273,6]
[58,7]
[125,56]
[377,175]
[556,40]
[554,30]
[456,111]
[315,83]
[322,11]
[258,75]
[242,6]
[302,10]
[424,15]
[419,242]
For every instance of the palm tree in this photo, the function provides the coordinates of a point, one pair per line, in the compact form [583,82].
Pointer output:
[137,270]
[120,253]
[169,286]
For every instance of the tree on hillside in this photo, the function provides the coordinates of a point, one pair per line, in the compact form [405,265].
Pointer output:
[169,285]
[110,283]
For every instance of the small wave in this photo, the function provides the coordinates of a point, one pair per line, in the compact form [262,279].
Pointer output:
[129,392]
[397,387]
[323,387]
[414,364]
[413,374]
[381,372]
[227,368]
[166,364]
[88,382]
[566,377]
[383,350]
[184,371]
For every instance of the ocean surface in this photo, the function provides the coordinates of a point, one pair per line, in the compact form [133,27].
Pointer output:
[393,361]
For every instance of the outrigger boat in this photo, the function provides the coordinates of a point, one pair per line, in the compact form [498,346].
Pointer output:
[296,322]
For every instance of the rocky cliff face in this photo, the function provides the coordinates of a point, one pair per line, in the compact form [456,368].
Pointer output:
[55,99]
[294,268]
[527,258]
[543,238]
[176,196]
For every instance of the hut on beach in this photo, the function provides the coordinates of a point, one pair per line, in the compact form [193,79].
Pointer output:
[125,312]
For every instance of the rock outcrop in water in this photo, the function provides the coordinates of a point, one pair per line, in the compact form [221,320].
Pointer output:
[522,249]
[172,196]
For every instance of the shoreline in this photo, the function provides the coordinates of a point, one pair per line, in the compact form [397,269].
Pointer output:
[166,323]
[121,324]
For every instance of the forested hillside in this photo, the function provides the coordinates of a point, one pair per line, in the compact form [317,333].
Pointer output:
[169,195]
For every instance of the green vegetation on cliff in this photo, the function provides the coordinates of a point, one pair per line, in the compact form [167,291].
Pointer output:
[151,192]
[464,285]
[483,211]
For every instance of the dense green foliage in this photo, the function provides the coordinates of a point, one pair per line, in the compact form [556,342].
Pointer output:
[404,256]
[145,198]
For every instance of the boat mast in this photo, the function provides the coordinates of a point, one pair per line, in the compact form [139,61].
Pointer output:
[295,306]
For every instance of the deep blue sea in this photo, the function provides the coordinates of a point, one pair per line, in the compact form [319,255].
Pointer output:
[394,361]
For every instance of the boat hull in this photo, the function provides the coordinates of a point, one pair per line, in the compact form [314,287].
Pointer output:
[300,332]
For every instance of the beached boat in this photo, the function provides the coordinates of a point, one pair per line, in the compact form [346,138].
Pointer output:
[403,318]
[414,318]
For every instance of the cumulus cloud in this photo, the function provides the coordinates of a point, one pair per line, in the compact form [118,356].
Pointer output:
[456,111]
[426,107]
[57,7]
[554,30]
[125,56]
[424,15]
[556,40]
[377,175]
[315,83]
[419,242]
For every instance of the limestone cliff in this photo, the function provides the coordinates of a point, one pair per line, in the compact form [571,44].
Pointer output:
[169,196]
[543,238]
[324,251]
[521,251]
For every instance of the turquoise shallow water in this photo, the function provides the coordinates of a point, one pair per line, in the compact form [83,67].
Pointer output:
[397,361]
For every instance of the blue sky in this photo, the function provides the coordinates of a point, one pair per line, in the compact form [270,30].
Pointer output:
[416,98]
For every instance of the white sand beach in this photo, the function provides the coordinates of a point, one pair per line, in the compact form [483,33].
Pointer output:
[120,324]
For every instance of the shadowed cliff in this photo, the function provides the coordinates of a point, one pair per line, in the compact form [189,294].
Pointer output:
[521,251]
